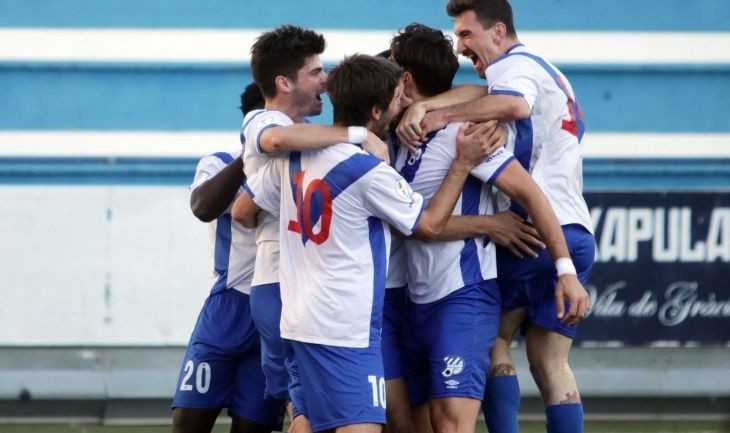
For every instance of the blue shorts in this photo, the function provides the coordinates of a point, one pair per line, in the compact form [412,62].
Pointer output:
[448,353]
[266,314]
[336,386]
[394,323]
[222,366]
[531,282]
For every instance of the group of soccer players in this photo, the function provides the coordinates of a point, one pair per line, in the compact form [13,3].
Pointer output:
[366,265]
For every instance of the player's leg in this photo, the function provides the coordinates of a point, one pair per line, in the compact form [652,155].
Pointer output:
[398,408]
[360,428]
[548,340]
[206,379]
[463,326]
[422,418]
[454,414]
[547,353]
[189,420]
[501,404]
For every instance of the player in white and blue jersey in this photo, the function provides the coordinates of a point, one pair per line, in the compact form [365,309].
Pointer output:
[546,124]
[456,302]
[335,206]
[222,366]
[285,63]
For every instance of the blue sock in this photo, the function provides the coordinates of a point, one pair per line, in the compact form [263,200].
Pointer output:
[501,404]
[564,418]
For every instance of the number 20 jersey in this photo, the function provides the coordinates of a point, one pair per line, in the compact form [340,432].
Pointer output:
[335,206]
[547,144]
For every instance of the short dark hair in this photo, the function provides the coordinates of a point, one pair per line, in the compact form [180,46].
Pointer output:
[251,98]
[428,55]
[282,51]
[360,83]
[488,12]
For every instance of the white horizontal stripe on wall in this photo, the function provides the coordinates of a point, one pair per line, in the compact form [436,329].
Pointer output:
[197,143]
[208,45]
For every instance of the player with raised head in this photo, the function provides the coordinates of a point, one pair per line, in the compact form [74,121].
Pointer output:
[456,302]
[286,65]
[222,366]
[546,123]
[336,205]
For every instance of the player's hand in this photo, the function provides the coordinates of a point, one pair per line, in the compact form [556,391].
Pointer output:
[433,121]
[491,131]
[571,290]
[409,130]
[472,144]
[376,147]
[512,232]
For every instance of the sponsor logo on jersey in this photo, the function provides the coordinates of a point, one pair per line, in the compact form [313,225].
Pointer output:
[451,384]
[453,365]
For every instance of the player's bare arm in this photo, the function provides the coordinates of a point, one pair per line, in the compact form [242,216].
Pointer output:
[471,151]
[209,200]
[244,210]
[308,136]
[519,186]
[504,108]
[505,228]
[409,128]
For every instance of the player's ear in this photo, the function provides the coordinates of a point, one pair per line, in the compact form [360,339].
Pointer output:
[500,32]
[375,112]
[283,84]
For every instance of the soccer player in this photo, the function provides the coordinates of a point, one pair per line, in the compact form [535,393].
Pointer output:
[335,205]
[456,302]
[542,112]
[401,418]
[286,65]
[222,366]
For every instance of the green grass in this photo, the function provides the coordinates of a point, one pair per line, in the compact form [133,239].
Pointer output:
[526,427]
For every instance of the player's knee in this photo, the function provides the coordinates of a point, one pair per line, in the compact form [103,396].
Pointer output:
[399,424]
[502,369]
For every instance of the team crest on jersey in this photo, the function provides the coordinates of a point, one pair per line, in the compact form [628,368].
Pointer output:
[403,189]
[453,365]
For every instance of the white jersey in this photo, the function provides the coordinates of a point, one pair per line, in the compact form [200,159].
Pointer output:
[232,245]
[397,276]
[436,269]
[547,144]
[335,206]
[267,227]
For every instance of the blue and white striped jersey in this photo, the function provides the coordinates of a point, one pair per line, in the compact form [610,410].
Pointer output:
[232,246]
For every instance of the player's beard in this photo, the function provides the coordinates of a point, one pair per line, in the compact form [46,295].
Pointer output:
[310,105]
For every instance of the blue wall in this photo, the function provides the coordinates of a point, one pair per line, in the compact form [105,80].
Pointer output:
[49,96]
[642,15]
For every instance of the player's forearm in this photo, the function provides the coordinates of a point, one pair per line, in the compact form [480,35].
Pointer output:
[456,95]
[244,211]
[459,227]
[504,108]
[300,137]
[209,200]
[439,209]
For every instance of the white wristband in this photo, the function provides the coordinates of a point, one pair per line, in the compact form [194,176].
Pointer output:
[565,266]
[356,134]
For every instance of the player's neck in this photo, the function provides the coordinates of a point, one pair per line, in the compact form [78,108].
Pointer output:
[507,44]
[280,104]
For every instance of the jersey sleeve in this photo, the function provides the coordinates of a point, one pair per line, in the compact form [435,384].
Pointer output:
[515,76]
[489,170]
[257,122]
[264,187]
[208,167]
[391,199]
